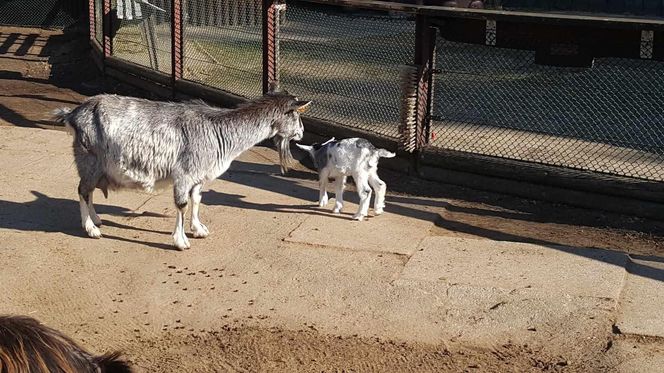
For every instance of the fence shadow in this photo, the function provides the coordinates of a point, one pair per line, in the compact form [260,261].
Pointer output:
[265,177]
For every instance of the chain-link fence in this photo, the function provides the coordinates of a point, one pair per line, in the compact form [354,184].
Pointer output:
[347,62]
[486,100]
[141,32]
[223,45]
[499,102]
[42,13]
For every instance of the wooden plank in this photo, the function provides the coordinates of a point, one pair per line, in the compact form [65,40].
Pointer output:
[138,70]
[525,189]
[583,180]
[516,16]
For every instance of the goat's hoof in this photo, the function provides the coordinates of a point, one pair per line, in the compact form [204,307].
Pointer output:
[322,203]
[200,231]
[181,243]
[91,229]
[336,210]
[358,217]
[93,232]
[378,211]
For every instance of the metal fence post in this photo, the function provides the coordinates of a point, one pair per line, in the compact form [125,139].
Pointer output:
[417,92]
[270,16]
[176,43]
[425,38]
[107,29]
[92,20]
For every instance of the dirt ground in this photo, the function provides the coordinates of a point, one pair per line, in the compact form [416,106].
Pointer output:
[59,73]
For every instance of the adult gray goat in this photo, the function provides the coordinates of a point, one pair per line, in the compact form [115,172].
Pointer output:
[125,142]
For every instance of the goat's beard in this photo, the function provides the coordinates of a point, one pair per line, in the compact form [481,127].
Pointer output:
[285,156]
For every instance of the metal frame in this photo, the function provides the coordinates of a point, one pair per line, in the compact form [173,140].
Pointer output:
[632,37]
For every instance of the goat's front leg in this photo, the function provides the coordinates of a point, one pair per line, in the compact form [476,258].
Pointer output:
[363,189]
[339,194]
[198,229]
[322,183]
[181,199]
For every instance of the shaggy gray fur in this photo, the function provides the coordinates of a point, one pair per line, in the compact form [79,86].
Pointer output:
[354,157]
[126,142]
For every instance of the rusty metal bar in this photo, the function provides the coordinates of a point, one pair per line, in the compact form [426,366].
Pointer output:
[108,28]
[424,60]
[270,15]
[176,43]
[433,33]
[92,21]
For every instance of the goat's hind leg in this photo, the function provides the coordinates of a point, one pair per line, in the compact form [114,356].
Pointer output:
[90,172]
[85,188]
[380,188]
[198,229]
[363,189]
[339,194]
[181,196]
[91,209]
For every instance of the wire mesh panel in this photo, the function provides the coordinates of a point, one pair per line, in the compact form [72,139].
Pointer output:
[141,32]
[347,61]
[42,13]
[498,102]
[223,46]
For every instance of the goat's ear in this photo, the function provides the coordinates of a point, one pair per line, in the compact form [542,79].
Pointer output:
[301,106]
[304,147]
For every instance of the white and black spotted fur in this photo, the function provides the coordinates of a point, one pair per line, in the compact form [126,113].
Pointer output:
[124,142]
[349,157]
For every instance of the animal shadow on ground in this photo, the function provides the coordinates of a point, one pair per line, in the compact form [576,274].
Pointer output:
[48,214]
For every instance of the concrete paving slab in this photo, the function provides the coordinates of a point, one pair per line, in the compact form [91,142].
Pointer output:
[641,304]
[375,234]
[509,265]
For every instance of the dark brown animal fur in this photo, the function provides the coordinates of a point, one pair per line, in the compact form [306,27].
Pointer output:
[27,346]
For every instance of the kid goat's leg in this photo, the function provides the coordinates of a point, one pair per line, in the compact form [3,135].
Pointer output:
[363,189]
[322,183]
[198,229]
[181,195]
[380,188]
[339,194]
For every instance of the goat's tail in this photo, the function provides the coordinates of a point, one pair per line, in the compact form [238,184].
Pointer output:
[382,153]
[112,363]
[61,115]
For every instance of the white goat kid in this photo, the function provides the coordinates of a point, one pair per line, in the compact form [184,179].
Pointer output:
[354,157]
[125,142]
